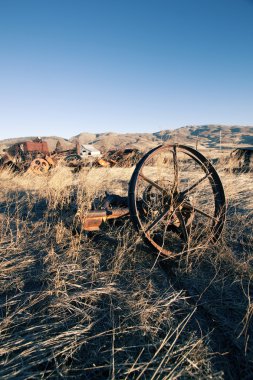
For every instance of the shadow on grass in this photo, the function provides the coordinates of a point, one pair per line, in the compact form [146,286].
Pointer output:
[103,306]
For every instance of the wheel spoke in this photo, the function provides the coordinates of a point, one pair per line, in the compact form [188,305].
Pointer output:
[195,184]
[157,220]
[152,183]
[186,205]
[183,226]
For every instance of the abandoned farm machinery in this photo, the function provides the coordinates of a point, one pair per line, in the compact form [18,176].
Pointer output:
[34,156]
[175,201]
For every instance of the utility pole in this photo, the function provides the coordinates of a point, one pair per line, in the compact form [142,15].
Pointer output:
[197,142]
[220,139]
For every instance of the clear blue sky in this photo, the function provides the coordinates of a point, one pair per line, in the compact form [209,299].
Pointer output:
[69,66]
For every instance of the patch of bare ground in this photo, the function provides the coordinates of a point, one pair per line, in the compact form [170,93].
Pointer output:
[102,305]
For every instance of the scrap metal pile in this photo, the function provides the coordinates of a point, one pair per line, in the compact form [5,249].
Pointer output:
[34,156]
[123,158]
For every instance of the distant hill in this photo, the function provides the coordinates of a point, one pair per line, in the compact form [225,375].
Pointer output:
[210,136]
[205,136]
[105,141]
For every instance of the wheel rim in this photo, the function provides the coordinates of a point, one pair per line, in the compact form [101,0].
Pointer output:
[73,160]
[39,166]
[176,200]
[73,157]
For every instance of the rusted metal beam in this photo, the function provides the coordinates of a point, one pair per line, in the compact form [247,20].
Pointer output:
[93,219]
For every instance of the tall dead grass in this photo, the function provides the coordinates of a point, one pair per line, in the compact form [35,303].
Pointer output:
[102,305]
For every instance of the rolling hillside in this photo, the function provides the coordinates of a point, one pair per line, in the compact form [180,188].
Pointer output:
[205,136]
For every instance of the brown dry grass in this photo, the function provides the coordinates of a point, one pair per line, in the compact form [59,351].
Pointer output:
[103,306]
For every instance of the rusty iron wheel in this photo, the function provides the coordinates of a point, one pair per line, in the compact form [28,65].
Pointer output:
[73,157]
[176,200]
[39,166]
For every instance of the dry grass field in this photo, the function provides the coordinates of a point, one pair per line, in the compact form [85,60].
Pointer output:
[103,306]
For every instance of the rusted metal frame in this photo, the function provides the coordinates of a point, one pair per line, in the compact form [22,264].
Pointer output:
[93,219]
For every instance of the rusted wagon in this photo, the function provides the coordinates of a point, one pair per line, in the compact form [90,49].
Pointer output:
[175,200]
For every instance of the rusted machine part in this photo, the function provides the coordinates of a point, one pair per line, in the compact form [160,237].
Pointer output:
[10,165]
[120,158]
[39,166]
[179,214]
[104,163]
[73,160]
[73,156]
[92,220]
[50,160]
[111,206]
[7,162]
[25,155]
[37,145]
